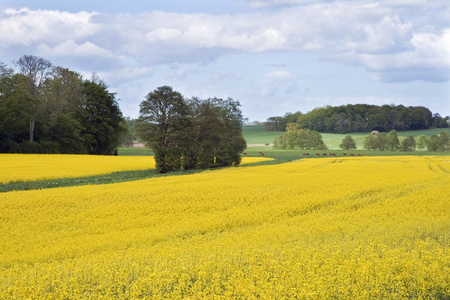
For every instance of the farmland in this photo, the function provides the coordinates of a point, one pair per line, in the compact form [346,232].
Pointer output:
[335,227]
[255,134]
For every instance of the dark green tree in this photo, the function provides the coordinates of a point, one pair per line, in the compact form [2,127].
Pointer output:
[14,121]
[164,123]
[207,133]
[191,134]
[102,120]
[64,95]
[232,143]
[348,143]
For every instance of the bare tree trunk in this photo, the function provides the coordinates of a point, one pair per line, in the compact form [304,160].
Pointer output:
[32,122]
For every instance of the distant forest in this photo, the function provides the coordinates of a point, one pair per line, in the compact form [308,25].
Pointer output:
[361,118]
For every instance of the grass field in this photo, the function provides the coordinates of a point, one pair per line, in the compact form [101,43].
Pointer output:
[257,135]
[342,228]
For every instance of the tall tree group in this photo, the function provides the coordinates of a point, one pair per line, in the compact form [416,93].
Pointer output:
[190,133]
[48,109]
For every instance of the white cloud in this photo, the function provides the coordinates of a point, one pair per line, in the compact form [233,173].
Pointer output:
[26,27]
[70,48]
[388,38]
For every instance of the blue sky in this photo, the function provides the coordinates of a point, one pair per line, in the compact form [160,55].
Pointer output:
[274,56]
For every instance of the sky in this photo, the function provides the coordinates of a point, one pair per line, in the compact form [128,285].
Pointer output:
[273,56]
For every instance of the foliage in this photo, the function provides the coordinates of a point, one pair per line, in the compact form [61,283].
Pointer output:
[392,141]
[361,227]
[348,143]
[439,142]
[164,124]
[191,134]
[361,118]
[129,136]
[376,142]
[275,124]
[299,138]
[408,144]
[422,141]
[102,120]
[35,71]
[54,110]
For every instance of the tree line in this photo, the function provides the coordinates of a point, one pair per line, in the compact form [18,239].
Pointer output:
[190,133]
[51,109]
[306,139]
[360,118]
[390,141]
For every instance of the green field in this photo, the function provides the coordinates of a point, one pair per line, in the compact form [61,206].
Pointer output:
[257,135]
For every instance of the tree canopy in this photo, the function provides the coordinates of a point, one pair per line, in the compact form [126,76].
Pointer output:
[296,138]
[361,118]
[189,134]
[48,109]
[348,143]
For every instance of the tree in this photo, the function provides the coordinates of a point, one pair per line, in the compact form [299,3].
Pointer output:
[439,142]
[422,141]
[392,141]
[13,119]
[102,120]
[348,143]
[299,138]
[370,142]
[433,143]
[64,106]
[274,124]
[128,137]
[408,144]
[381,140]
[191,134]
[36,71]
[233,143]
[444,141]
[164,124]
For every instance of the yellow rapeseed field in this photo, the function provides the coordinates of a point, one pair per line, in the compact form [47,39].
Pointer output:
[331,228]
[32,167]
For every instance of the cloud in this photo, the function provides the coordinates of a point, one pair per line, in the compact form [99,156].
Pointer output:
[86,55]
[27,27]
[389,38]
